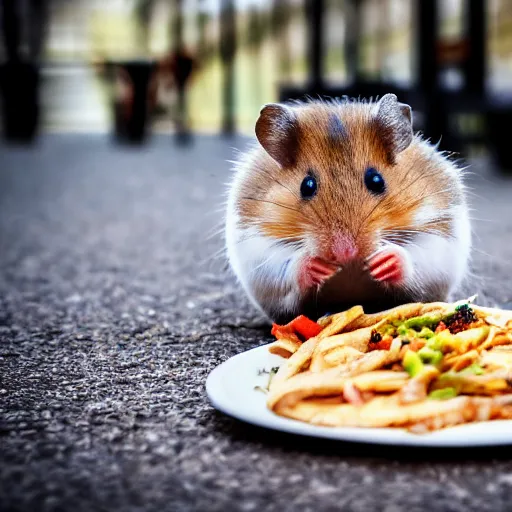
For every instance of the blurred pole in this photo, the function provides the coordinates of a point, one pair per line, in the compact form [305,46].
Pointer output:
[182,70]
[314,15]
[202,20]
[11,25]
[426,32]
[38,24]
[227,54]
[255,33]
[144,11]
[177,26]
[23,27]
[435,117]
[383,31]
[280,20]
[475,69]
[352,40]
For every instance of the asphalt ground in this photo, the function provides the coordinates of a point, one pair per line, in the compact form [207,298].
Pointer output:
[114,309]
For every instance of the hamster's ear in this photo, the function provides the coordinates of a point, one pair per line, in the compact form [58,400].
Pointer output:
[277,132]
[394,122]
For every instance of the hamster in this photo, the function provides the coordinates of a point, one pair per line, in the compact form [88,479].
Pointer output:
[340,203]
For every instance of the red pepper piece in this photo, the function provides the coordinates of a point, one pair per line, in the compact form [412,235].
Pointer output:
[301,325]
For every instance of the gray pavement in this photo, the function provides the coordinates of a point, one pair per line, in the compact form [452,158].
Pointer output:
[112,312]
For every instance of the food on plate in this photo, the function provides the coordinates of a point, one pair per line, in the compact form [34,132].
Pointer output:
[418,366]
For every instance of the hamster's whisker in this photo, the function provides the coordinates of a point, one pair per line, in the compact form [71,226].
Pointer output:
[271,257]
[263,263]
[294,194]
[215,232]
[247,198]
[399,235]
[364,219]
[410,184]
[212,257]
[273,178]
[317,212]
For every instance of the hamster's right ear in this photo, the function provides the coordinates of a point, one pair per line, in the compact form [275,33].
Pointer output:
[277,131]
[395,125]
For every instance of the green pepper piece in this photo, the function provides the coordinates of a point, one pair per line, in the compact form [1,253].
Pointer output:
[443,394]
[439,340]
[430,356]
[426,333]
[422,321]
[412,363]
[403,331]
[387,330]
[474,369]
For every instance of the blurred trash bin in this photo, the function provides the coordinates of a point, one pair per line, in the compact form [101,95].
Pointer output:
[19,85]
[131,98]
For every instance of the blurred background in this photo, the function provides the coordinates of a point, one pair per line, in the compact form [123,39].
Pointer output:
[133,68]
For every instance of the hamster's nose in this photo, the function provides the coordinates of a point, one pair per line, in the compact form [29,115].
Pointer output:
[343,249]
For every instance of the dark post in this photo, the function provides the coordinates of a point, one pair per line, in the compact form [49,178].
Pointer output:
[177,26]
[280,18]
[352,40]
[314,14]
[11,22]
[436,120]
[202,20]
[227,53]
[426,23]
[20,74]
[475,66]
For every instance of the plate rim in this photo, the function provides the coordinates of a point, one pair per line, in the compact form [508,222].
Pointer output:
[219,401]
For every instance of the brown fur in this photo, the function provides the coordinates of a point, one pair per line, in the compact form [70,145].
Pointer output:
[338,155]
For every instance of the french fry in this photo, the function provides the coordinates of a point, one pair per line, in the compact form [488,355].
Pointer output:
[497,359]
[460,373]
[340,321]
[284,347]
[318,362]
[357,339]
[341,355]
[295,363]
[329,381]
[458,362]
[382,411]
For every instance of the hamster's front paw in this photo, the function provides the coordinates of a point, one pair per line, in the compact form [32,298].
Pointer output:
[390,265]
[314,272]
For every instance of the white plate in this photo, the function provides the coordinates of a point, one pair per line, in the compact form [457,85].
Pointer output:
[230,388]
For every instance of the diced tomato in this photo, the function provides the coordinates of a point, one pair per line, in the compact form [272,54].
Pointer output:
[383,344]
[301,325]
[441,327]
[416,344]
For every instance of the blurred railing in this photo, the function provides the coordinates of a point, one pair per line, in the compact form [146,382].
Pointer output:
[117,64]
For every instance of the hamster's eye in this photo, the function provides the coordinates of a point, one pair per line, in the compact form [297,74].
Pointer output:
[374,181]
[308,187]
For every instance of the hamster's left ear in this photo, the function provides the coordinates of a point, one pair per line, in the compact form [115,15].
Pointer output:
[277,132]
[394,124]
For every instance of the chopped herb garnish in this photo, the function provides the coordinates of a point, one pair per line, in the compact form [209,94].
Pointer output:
[270,374]
[460,320]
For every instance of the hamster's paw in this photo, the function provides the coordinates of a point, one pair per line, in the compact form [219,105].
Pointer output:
[314,272]
[390,265]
